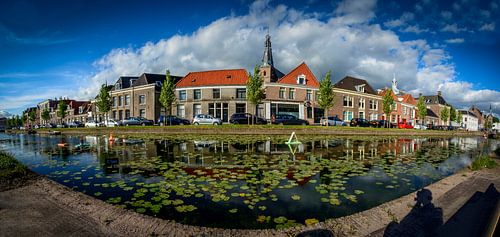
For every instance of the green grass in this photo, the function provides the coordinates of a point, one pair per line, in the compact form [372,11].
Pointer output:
[483,162]
[10,168]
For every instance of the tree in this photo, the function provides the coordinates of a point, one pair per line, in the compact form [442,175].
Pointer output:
[32,116]
[445,114]
[458,118]
[326,96]
[453,114]
[104,102]
[167,95]
[495,120]
[387,103]
[255,91]
[61,110]
[45,115]
[422,109]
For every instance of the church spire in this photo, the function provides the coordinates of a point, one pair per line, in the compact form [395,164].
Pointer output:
[395,84]
[267,59]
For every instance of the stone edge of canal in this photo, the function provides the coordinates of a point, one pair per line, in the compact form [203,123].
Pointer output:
[122,222]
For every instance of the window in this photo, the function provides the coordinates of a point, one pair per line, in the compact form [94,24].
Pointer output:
[301,79]
[240,108]
[182,95]
[118,86]
[158,84]
[127,113]
[361,103]
[309,112]
[216,93]
[373,116]
[348,101]
[404,110]
[115,102]
[309,95]
[197,94]
[181,111]
[291,94]
[114,115]
[142,113]
[120,100]
[127,99]
[360,88]
[347,115]
[120,115]
[142,99]
[361,114]
[80,110]
[196,109]
[241,93]
[394,106]
[282,93]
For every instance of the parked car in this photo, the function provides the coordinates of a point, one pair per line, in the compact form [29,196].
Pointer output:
[62,125]
[75,124]
[246,118]
[382,124]
[136,121]
[172,120]
[50,125]
[111,123]
[420,127]
[403,125]
[332,121]
[288,119]
[92,124]
[359,122]
[206,119]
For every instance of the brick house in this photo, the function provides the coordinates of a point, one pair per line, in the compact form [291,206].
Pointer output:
[355,98]
[437,103]
[219,93]
[77,111]
[479,115]
[138,97]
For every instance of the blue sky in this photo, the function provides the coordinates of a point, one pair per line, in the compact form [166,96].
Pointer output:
[68,48]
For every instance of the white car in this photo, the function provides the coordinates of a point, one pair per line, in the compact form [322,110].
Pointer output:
[92,124]
[206,119]
[112,123]
[420,127]
[332,121]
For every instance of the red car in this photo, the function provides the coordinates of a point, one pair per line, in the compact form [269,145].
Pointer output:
[403,125]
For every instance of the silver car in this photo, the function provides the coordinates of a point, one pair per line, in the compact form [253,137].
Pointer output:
[206,119]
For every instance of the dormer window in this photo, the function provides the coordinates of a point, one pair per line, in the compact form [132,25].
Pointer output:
[118,86]
[360,88]
[158,83]
[132,82]
[301,79]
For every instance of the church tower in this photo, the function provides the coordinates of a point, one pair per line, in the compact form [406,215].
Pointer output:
[267,70]
[395,85]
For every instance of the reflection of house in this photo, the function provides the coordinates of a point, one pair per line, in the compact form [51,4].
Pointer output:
[138,96]
[469,120]
[355,98]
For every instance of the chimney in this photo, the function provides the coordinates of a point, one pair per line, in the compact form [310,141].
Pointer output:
[439,93]
[419,95]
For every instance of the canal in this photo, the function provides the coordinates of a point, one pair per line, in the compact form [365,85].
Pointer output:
[239,182]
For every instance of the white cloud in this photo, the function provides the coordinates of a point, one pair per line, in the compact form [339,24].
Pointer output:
[345,43]
[455,41]
[453,28]
[405,17]
[414,29]
[488,27]
[5,114]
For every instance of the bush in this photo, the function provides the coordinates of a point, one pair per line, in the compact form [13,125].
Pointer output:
[483,162]
[10,167]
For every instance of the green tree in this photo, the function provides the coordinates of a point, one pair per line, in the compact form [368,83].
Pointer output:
[167,95]
[21,120]
[445,114]
[495,120]
[61,110]
[458,118]
[422,109]
[103,102]
[326,96]
[45,115]
[387,103]
[32,116]
[453,114]
[255,90]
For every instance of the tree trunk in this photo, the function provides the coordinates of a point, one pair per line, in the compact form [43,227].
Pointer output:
[326,117]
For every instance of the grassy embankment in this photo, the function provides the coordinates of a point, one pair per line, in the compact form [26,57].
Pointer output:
[12,172]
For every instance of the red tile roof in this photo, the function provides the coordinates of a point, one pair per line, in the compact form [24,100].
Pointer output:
[291,77]
[408,98]
[214,78]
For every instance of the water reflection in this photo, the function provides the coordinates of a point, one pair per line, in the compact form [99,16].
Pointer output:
[241,183]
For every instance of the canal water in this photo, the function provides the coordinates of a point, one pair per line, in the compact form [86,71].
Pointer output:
[245,183]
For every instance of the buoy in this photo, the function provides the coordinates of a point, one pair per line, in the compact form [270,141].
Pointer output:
[62,144]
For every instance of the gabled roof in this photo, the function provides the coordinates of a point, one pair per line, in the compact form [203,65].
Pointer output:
[466,112]
[434,99]
[302,69]
[351,83]
[150,78]
[431,113]
[214,78]
[124,81]
[408,98]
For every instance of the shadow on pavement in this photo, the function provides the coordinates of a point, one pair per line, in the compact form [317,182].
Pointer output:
[316,233]
[472,219]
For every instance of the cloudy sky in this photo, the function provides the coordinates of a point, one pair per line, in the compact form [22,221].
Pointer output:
[68,48]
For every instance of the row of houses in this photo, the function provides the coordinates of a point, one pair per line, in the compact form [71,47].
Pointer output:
[221,93]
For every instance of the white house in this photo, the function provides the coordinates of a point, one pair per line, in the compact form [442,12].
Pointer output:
[496,126]
[469,121]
